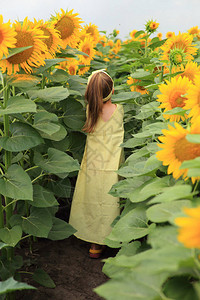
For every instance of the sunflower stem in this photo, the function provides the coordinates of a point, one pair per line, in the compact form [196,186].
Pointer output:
[43,82]
[145,49]
[196,185]
[8,156]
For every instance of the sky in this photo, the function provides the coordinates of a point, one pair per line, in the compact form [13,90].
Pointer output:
[124,15]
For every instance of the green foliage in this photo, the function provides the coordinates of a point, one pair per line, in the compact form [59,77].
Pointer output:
[11,285]
[151,262]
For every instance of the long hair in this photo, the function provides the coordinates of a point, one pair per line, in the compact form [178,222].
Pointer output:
[98,88]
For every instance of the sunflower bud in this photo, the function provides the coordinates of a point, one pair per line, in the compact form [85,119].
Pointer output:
[177,57]
[151,26]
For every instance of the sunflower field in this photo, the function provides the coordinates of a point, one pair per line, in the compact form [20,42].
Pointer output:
[44,69]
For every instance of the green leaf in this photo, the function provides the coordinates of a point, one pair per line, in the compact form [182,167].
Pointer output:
[125,96]
[39,223]
[43,197]
[131,287]
[17,185]
[142,168]
[58,75]
[3,245]
[137,155]
[129,249]
[193,163]
[57,162]
[49,64]
[61,188]
[23,81]
[131,226]
[152,129]
[18,104]
[193,138]
[164,212]
[74,115]
[43,278]
[148,189]
[156,44]
[193,167]
[46,122]
[23,138]
[124,188]
[162,236]
[141,74]
[60,230]
[139,32]
[51,94]
[11,236]
[11,285]
[134,142]
[16,50]
[180,287]
[70,50]
[173,193]
[57,136]
[148,110]
[176,111]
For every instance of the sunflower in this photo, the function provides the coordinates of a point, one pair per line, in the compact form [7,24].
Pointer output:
[177,57]
[116,47]
[159,35]
[110,43]
[52,37]
[83,68]
[193,101]
[68,25]
[132,34]
[102,40]
[151,26]
[181,41]
[86,46]
[190,70]
[169,34]
[72,66]
[176,149]
[189,231]
[92,31]
[7,37]
[173,95]
[136,88]
[194,30]
[26,36]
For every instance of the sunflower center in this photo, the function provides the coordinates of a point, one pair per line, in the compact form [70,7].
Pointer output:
[24,39]
[86,49]
[90,30]
[176,100]
[49,40]
[185,150]
[66,27]
[140,87]
[72,70]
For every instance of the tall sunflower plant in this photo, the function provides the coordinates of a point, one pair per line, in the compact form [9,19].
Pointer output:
[41,115]
[157,233]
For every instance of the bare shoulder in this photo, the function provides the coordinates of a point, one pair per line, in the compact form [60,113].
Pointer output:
[108,110]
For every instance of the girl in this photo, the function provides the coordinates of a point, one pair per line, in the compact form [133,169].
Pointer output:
[93,209]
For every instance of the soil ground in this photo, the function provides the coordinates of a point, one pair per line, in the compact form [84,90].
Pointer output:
[68,264]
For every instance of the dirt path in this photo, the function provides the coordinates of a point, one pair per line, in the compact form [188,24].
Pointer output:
[68,264]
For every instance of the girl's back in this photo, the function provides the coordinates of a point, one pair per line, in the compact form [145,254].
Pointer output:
[93,208]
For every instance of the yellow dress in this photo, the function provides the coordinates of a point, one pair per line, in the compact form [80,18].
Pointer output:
[93,209]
